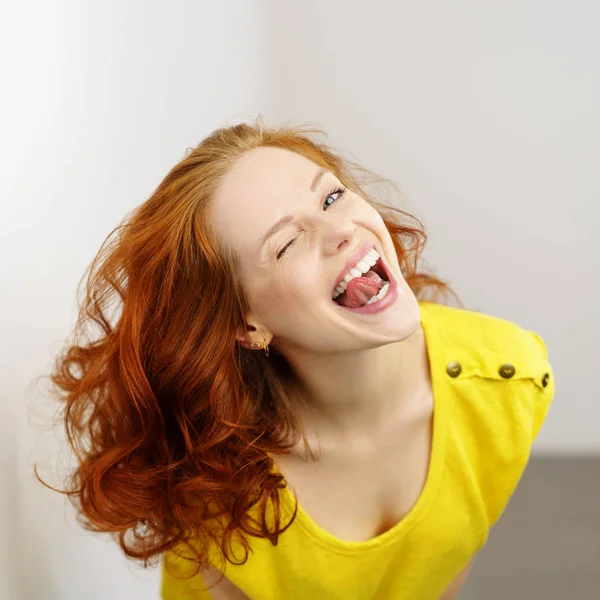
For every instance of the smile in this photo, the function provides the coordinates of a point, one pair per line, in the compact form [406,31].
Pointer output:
[367,286]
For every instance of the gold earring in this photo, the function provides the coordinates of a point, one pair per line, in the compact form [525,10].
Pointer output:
[264,345]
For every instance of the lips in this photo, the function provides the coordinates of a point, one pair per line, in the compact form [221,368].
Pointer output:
[351,262]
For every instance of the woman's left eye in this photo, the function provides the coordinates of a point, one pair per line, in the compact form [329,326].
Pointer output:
[338,192]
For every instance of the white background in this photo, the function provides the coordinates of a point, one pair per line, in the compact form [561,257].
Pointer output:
[486,115]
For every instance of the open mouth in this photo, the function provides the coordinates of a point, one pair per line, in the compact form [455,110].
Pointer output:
[369,287]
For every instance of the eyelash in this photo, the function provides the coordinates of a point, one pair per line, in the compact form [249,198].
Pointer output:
[338,190]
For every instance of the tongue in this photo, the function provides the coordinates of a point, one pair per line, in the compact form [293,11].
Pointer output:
[360,290]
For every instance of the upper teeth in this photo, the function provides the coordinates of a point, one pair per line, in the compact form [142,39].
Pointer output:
[362,266]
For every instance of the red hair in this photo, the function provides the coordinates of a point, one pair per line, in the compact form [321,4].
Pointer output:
[170,419]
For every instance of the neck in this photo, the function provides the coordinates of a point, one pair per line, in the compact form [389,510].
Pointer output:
[360,393]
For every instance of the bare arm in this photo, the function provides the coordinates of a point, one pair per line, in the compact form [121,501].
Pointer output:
[452,590]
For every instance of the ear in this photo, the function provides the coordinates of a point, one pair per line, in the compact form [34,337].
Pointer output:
[252,333]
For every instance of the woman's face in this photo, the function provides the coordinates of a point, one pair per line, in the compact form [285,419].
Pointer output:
[296,235]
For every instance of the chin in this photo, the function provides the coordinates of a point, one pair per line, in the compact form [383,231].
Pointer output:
[405,315]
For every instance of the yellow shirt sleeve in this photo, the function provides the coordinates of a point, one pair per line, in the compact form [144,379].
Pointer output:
[544,389]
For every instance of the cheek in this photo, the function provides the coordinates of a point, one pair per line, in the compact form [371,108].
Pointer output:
[375,218]
[287,292]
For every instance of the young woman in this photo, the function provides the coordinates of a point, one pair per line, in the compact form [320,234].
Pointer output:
[277,411]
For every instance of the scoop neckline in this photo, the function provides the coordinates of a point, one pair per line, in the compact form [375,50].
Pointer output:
[436,462]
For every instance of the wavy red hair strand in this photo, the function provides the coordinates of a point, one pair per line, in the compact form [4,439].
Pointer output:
[171,421]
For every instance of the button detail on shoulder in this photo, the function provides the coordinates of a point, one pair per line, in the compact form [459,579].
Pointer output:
[506,371]
[545,379]
[454,369]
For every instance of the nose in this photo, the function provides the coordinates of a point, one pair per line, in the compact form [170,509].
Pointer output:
[337,234]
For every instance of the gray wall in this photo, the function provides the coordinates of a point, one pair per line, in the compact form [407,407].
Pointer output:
[486,115]
[99,101]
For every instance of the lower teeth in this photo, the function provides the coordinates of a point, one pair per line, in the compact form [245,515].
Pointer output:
[382,292]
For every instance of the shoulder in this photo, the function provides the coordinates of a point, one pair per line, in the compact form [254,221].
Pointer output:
[488,346]
[499,386]
[463,325]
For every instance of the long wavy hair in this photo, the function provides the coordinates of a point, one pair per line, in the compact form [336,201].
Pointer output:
[172,422]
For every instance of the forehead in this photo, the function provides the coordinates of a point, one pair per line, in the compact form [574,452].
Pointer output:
[263,185]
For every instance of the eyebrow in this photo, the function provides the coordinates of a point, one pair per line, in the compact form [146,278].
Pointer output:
[287,218]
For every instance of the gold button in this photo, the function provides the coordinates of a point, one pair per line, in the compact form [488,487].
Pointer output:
[507,371]
[545,379]
[454,369]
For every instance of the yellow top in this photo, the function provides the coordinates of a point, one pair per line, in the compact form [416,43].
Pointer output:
[492,387]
